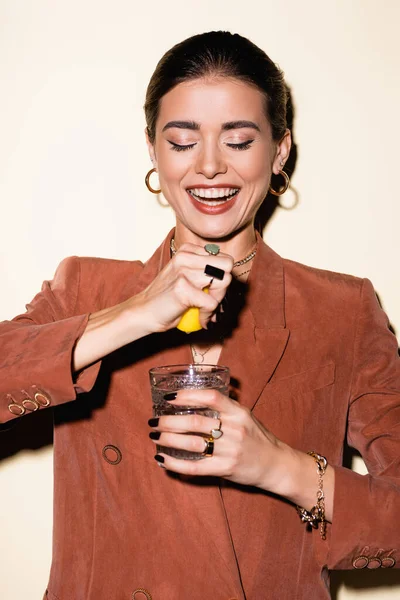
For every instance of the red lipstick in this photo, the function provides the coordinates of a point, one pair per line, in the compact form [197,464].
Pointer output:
[207,209]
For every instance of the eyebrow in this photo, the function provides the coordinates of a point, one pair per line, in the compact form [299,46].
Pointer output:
[240,125]
[193,126]
[182,125]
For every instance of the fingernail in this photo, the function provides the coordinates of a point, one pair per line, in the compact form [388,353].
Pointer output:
[159,458]
[153,422]
[155,435]
[170,396]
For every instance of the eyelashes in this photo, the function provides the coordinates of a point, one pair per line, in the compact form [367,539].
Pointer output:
[242,145]
[181,148]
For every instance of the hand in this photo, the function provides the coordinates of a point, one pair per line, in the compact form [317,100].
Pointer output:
[179,286]
[246,453]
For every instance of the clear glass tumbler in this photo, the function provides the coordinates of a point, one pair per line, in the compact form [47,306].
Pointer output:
[171,378]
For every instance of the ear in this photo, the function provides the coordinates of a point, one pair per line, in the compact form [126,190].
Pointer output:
[282,152]
[151,149]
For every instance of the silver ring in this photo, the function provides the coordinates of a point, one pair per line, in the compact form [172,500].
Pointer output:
[217,433]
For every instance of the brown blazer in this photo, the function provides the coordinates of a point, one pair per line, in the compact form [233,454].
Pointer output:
[316,363]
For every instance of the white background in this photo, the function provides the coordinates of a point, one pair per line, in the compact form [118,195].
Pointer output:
[73,76]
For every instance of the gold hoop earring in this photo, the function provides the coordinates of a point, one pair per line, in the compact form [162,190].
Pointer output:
[147,182]
[285,186]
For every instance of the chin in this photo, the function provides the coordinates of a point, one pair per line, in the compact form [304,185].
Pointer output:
[214,232]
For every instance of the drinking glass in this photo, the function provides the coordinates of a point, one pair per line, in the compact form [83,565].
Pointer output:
[172,378]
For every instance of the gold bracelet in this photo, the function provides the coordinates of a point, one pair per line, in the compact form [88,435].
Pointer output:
[317,513]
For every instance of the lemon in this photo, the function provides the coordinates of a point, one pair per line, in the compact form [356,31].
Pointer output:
[190,321]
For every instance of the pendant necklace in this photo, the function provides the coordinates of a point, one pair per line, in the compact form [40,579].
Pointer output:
[198,357]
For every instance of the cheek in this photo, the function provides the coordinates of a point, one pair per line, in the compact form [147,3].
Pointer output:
[172,166]
[255,164]
[255,168]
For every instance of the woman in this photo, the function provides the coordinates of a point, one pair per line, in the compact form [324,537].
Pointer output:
[310,351]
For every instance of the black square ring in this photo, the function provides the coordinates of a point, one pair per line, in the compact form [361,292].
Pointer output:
[214,272]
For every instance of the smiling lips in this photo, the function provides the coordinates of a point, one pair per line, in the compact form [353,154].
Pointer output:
[213,200]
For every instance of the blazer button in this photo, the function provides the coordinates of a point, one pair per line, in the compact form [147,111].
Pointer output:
[387,562]
[30,404]
[141,594]
[16,409]
[42,399]
[360,562]
[374,563]
[113,456]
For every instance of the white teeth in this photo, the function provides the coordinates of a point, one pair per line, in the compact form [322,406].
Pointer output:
[213,192]
[211,202]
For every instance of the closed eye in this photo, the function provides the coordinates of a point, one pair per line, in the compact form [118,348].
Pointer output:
[180,147]
[241,146]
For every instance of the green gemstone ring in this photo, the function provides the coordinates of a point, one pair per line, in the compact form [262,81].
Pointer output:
[212,249]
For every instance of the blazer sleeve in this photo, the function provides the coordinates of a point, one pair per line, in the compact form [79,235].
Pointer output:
[36,348]
[365,531]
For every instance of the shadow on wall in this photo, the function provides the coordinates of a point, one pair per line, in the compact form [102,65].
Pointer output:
[30,432]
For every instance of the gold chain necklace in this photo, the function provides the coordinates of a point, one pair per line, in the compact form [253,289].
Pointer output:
[238,263]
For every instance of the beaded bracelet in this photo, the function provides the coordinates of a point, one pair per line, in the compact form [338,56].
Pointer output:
[317,513]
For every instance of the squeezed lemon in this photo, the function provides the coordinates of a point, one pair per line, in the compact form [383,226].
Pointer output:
[190,321]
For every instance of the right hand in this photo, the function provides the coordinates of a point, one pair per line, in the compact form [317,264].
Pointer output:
[179,286]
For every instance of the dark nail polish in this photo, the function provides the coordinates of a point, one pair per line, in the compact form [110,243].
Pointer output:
[153,422]
[155,435]
[170,396]
[159,458]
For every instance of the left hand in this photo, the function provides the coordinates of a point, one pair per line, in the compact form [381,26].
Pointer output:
[247,453]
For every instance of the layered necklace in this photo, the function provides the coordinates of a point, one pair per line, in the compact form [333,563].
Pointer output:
[198,357]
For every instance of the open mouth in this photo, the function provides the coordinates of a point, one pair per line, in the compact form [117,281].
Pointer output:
[213,196]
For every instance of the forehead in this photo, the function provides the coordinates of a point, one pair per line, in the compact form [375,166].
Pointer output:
[211,101]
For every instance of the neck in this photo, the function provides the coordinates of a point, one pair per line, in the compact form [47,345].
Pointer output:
[238,245]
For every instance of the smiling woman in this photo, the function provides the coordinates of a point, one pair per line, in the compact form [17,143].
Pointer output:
[221,162]
[268,509]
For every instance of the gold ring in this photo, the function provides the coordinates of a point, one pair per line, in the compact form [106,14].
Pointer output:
[209,447]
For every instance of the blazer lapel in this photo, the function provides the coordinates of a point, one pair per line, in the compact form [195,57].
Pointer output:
[256,346]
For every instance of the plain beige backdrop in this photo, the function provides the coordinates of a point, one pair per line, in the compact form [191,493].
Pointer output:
[73,75]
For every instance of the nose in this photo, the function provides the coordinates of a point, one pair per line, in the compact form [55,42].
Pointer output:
[210,161]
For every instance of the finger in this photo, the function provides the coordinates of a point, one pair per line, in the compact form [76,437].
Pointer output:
[200,279]
[193,248]
[201,251]
[205,466]
[180,441]
[192,260]
[186,423]
[212,399]
[189,295]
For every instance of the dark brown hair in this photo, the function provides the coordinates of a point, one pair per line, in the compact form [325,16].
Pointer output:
[218,53]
